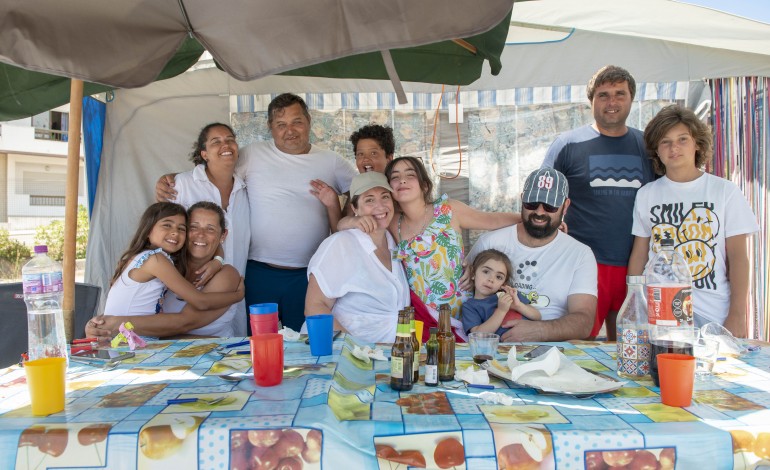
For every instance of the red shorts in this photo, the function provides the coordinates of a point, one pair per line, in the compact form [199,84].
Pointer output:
[612,292]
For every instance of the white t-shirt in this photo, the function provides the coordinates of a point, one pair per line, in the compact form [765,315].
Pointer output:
[129,298]
[699,215]
[287,221]
[547,275]
[369,296]
[222,326]
[194,186]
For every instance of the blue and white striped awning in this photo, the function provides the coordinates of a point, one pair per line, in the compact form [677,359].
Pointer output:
[469,99]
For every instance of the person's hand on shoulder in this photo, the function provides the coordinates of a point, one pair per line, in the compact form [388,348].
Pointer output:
[207,271]
[325,193]
[364,223]
[164,188]
[465,280]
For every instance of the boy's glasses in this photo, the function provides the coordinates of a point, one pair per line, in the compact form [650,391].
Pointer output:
[532,206]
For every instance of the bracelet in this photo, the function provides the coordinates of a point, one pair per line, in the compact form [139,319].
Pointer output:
[220,259]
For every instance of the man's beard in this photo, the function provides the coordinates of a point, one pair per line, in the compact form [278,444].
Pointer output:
[540,231]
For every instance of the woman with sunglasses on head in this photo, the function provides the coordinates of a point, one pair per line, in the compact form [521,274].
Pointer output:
[707,217]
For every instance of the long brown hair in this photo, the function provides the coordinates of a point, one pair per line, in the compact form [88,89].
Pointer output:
[422,175]
[141,241]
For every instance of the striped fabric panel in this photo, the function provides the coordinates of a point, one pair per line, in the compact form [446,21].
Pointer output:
[469,99]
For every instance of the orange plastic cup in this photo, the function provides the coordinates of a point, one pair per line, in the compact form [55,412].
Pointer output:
[45,380]
[677,373]
[267,357]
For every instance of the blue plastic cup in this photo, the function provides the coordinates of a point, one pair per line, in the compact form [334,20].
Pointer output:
[319,329]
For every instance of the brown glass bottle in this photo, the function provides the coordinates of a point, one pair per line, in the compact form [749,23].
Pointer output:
[402,356]
[431,360]
[415,345]
[446,345]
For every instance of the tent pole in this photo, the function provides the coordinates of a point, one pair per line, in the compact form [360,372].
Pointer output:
[71,206]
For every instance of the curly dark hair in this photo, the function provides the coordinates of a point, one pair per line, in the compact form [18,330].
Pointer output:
[422,175]
[383,135]
[200,144]
[610,74]
[283,101]
[669,117]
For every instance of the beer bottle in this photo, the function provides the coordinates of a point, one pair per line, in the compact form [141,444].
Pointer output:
[431,362]
[402,356]
[446,345]
[415,345]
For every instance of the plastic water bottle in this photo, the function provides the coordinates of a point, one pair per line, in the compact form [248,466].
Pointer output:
[633,340]
[43,292]
[669,304]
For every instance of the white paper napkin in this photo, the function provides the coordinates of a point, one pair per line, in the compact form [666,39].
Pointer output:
[554,372]
[366,354]
[496,398]
[289,334]
[476,377]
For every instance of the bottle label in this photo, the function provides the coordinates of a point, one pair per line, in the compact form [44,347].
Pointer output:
[633,352]
[397,367]
[52,282]
[32,283]
[669,305]
[431,374]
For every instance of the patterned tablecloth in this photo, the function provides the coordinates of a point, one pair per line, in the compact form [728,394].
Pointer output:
[345,416]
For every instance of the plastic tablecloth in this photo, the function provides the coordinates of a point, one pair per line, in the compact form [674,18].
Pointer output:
[344,415]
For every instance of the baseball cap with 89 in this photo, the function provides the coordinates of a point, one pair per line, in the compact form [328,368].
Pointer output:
[547,186]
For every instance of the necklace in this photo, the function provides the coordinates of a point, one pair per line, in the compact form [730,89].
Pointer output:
[424,226]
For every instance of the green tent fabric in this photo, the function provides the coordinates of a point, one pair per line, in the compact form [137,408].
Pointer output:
[26,93]
[134,42]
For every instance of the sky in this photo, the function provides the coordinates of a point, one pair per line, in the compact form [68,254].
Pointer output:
[755,9]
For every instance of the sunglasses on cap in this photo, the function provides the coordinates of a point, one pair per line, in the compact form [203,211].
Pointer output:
[532,206]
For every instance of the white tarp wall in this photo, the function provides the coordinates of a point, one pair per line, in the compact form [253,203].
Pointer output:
[150,131]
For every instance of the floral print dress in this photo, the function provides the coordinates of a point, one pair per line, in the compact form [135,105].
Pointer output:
[433,262]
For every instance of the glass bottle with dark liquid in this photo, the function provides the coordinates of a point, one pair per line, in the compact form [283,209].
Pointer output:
[415,345]
[669,305]
[401,356]
[431,360]
[446,345]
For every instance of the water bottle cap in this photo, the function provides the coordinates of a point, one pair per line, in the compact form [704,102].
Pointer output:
[667,242]
[433,330]
[41,249]
[635,279]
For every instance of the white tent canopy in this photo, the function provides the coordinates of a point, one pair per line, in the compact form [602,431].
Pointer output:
[149,130]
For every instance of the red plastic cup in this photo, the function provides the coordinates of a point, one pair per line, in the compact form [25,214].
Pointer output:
[263,318]
[267,358]
[676,372]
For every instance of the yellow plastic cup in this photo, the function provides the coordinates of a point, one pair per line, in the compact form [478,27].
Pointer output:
[45,380]
[418,326]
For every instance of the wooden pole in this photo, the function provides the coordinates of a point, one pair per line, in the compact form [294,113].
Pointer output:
[71,206]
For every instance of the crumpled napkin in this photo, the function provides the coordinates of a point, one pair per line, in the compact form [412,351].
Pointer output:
[728,344]
[496,398]
[366,354]
[554,372]
[476,377]
[288,334]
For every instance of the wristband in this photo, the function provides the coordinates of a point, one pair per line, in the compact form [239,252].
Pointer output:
[220,259]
